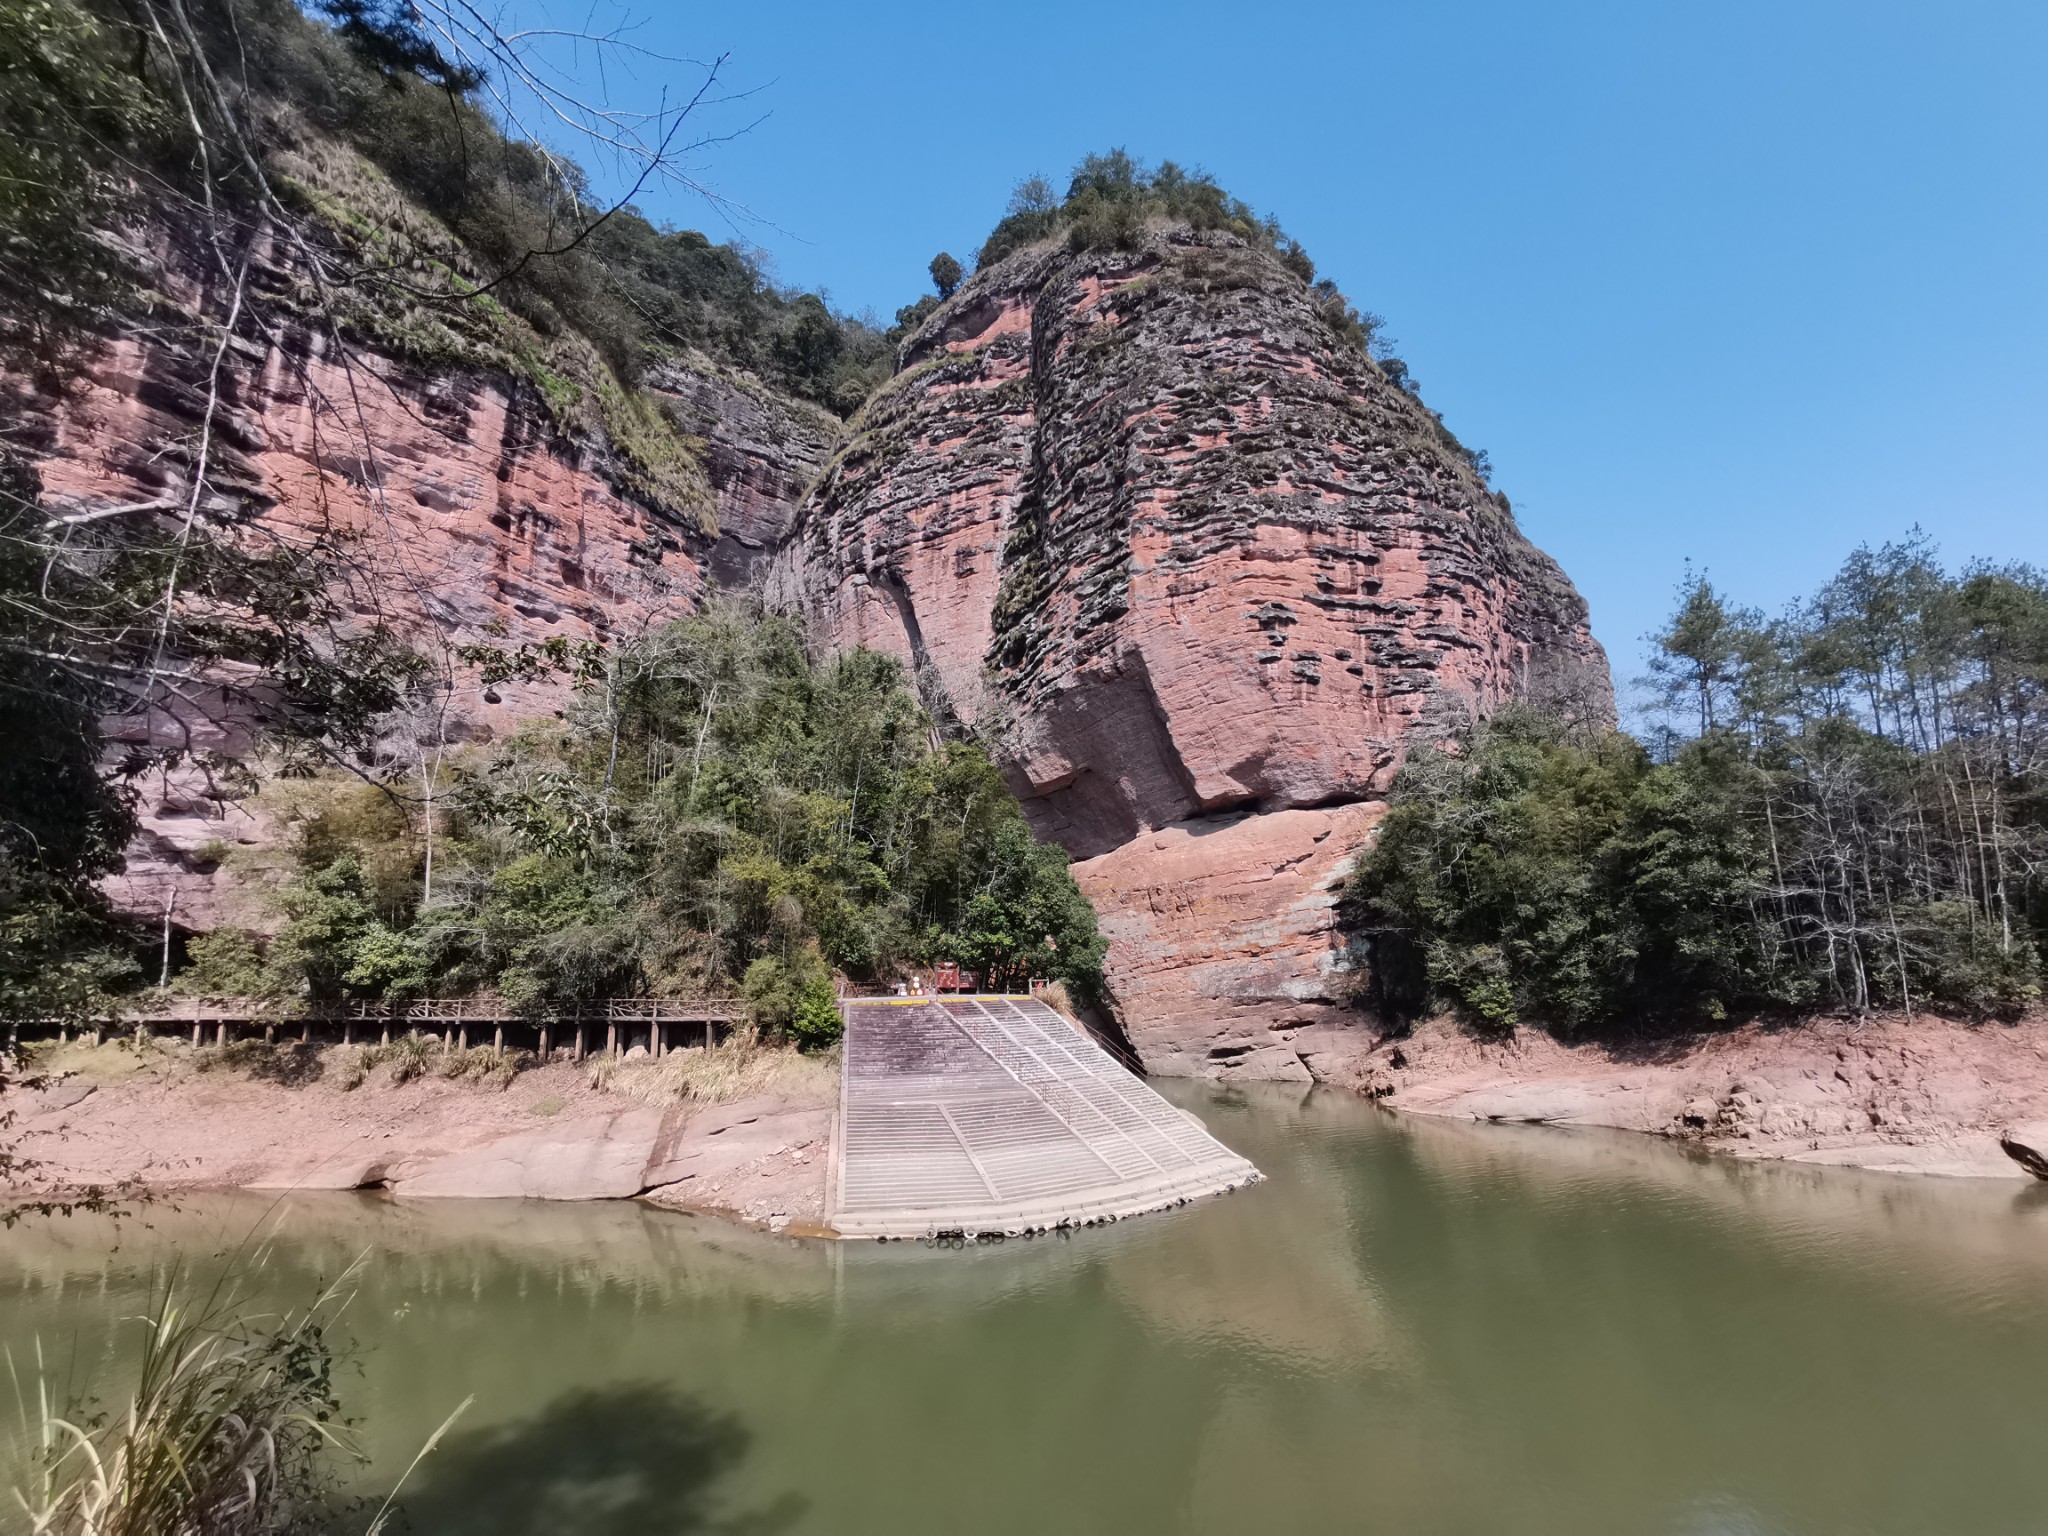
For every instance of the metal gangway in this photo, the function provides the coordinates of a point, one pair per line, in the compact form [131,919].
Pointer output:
[964,1115]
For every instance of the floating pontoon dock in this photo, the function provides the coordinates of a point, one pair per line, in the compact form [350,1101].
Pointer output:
[995,1114]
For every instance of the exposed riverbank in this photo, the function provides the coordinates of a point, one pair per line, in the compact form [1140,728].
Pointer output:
[588,1131]
[1931,1096]
[1927,1096]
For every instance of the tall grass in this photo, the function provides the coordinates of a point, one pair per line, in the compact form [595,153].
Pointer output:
[414,1055]
[230,1430]
[737,1067]
[226,1432]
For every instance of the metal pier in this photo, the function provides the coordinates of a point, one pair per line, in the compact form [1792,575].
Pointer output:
[996,1114]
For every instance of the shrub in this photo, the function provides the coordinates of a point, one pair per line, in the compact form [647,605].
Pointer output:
[1111,198]
[780,992]
[815,1022]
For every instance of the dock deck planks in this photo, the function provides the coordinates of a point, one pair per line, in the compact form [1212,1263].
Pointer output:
[994,1114]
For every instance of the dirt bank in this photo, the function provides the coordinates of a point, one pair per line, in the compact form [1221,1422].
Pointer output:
[560,1132]
[1927,1096]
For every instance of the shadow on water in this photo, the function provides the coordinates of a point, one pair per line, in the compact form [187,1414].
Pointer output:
[639,1459]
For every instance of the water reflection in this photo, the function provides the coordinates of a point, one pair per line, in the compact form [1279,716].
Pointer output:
[1414,1326]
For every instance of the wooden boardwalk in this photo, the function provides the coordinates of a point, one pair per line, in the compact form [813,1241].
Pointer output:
[995,1114]
[614,1025]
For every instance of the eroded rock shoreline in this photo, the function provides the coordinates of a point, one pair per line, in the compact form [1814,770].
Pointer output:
[551,1135]
[1929,1096]
[1925,1095]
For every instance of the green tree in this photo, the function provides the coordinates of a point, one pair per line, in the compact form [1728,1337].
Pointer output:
[946,274]
[1852,816]
[1704,654]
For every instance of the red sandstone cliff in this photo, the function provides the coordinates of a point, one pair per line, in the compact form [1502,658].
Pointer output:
[1201,574]
[467,511]
[1187,559]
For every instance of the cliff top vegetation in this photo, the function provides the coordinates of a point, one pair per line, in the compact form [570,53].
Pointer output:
[1112,199]
[96,131]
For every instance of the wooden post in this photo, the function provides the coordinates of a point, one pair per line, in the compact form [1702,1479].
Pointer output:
[462,1038]
[305,1030]
[195,1036]
[97,1037]
[611,1038]
[220,1033]
[384,1038]
[577,1053]
[269,1033]
[547,1036]
[348,1031]
[498,1042]
[654,1038]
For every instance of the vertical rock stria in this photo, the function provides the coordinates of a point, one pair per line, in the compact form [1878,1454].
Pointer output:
[465,516]
[1196,569]
[1201,574]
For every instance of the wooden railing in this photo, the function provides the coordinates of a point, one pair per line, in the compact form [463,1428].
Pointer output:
[626,1022]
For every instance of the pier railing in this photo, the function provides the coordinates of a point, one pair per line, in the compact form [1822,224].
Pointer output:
[656,1024]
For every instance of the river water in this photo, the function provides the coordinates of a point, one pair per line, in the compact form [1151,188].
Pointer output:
[1412,1327]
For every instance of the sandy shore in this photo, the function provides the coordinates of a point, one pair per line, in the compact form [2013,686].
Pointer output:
[1927,1096]
[552,1133]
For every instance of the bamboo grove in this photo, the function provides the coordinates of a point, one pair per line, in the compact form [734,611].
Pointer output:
[1843,808]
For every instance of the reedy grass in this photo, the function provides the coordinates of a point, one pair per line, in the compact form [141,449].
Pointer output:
[739,1066]
[224,1434]
[227,1432]
[413,1055]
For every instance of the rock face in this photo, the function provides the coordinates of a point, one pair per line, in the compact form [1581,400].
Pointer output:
[1143,519]
[465,515]
[761,453]
[1222,937]
[1196,567]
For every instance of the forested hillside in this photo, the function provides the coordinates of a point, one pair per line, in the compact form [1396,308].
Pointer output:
[1846,809]
[714,814]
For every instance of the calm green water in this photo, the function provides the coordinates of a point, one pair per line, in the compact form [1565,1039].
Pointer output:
[1411,1328]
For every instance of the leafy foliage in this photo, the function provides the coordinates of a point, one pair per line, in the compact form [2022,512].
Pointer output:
[717,815]
[528,222]
[1851,813]
[1111,197]
[71,109]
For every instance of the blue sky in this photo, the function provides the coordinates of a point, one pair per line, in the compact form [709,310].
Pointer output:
[1741,283]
